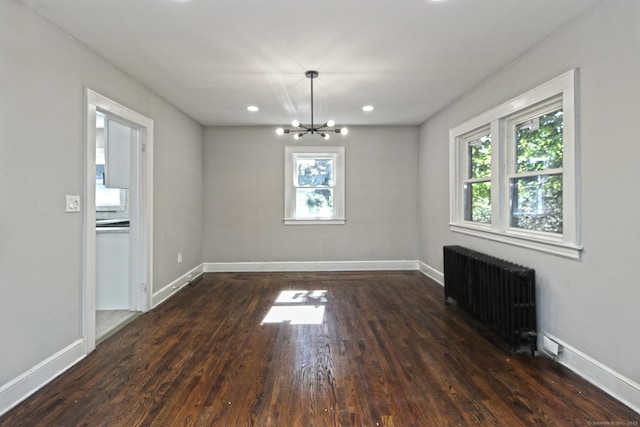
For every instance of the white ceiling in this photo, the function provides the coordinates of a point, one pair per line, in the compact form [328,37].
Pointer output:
[213,58]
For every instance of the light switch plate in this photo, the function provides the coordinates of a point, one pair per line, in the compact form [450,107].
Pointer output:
[73,203]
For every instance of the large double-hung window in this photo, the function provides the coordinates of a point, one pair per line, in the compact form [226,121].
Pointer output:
[513,171]
[536,173]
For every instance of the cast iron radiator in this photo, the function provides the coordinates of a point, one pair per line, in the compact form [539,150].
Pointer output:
[499,293]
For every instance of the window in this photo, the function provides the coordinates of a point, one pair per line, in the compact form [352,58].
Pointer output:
[314,185]
[477,185]
[108,199]
[513,172]
[535,177]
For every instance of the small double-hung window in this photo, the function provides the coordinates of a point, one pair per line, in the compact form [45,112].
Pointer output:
[477,184]
[314,185]
[513,171]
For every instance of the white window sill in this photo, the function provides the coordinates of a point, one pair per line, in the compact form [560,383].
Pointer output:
[312,221]
[549,246]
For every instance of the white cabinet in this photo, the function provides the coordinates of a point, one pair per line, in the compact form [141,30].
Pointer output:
[117,152]
[112,269]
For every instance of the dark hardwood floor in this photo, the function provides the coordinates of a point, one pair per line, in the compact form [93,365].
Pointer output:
[388,352]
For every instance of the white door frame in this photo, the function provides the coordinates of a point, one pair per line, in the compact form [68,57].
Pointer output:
[143,269]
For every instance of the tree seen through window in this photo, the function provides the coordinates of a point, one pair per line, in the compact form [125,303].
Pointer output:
[478,186]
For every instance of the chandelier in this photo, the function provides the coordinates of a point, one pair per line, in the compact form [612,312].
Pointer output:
[301,130]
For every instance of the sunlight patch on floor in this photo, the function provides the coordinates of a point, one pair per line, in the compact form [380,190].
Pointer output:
[298,307]
[295,315]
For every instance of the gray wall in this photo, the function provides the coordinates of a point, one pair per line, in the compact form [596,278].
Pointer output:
[591,305]
[42,75]
[244,206]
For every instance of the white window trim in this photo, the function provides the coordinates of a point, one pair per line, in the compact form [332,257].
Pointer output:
[565,245]
[290,154]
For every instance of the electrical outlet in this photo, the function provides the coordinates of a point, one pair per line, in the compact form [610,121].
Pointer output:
[73,204]
[551,346]
[179,257]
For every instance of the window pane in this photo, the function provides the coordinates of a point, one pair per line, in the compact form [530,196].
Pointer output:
[314,172]
[480,157]
[478,202]
[314,203]
[536,203]
[100,173]
[539,143]
[107,197]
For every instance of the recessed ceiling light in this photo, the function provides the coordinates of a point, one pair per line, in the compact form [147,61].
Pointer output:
[253,108]
[367,108]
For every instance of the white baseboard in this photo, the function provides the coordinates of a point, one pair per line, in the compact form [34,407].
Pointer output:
[617,385]
[35,378]
[431,273]
[238,267]
[163,294]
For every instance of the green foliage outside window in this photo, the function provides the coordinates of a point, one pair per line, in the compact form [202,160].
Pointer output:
[319,198]
[478,194]
[541,148]
[479,202]
[480,157]
[537,203]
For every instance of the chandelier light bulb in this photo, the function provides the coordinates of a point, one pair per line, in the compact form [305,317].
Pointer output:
[296,136]
[295,123]
[279,131]
[344,131]
[326,136]
[331,123]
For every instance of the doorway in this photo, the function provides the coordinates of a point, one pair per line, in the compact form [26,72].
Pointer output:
[118,216]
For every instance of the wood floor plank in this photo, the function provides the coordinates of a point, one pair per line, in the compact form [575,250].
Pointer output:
[389,352]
